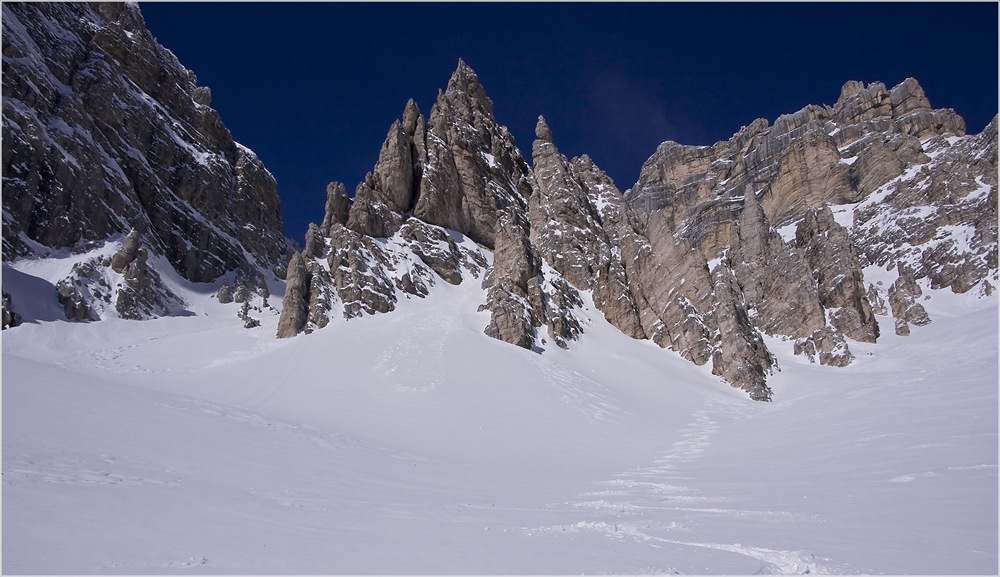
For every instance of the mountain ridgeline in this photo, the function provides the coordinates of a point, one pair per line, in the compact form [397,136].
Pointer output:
[108,141]
[767,233]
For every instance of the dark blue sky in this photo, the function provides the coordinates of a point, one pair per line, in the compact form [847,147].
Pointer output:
[313,87]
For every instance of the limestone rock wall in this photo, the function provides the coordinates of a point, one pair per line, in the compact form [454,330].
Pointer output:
[712,249]
[818,155]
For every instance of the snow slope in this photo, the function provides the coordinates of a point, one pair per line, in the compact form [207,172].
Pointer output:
[413,443]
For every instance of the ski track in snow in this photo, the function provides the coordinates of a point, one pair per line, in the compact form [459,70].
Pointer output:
[413,428]
[637,504]
[586,395]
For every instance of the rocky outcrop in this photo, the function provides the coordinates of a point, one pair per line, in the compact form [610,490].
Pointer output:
[435,248]
[826,343]
[514,296]
[10,318]
[105,131]
[76,306]
[903,295]
[314,241]
[126,285]
[143,294]
[568,232]
[360,271]
[582,227]
[473,171]
[939,218]
[617,293]
[741,358]
[775,279]
[127,253]
[370,216]
[392,179]
[837,269]
[925,197]
[338,206]
[713,247]
[294,305]
[818,155]
[321,295]
[460,171]
[350,274]
[225,294]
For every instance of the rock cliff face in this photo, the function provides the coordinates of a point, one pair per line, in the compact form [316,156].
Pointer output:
[444,194]
[818,155]
[768,233]
[105,132]
[798,209]
[111,148]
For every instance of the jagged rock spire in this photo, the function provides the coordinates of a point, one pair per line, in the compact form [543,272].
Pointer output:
[338,206]
[563,227]
[542,130]
[473,170]
[390,190]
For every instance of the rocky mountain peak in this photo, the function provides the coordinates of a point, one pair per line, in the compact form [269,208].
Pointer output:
[472,170]
[713,248]
[908,96]
[850,89]
[769,233]
[465,93]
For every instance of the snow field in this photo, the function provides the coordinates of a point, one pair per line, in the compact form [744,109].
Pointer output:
[412,443]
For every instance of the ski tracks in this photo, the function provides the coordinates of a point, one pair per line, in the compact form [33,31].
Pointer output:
[663,503]
[588,396]
[417,362]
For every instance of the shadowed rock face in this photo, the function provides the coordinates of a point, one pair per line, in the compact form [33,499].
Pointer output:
[836,267]
[104,130]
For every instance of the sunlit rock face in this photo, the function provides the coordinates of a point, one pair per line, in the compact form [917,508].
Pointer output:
[110,148]
[768,233]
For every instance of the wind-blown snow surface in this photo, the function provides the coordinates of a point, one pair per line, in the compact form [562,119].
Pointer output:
[412,443]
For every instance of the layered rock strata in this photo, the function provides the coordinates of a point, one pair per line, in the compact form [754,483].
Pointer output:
[938,218]
[818,155]
[915,190]
[104,131]
[712,249]
[583,228]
